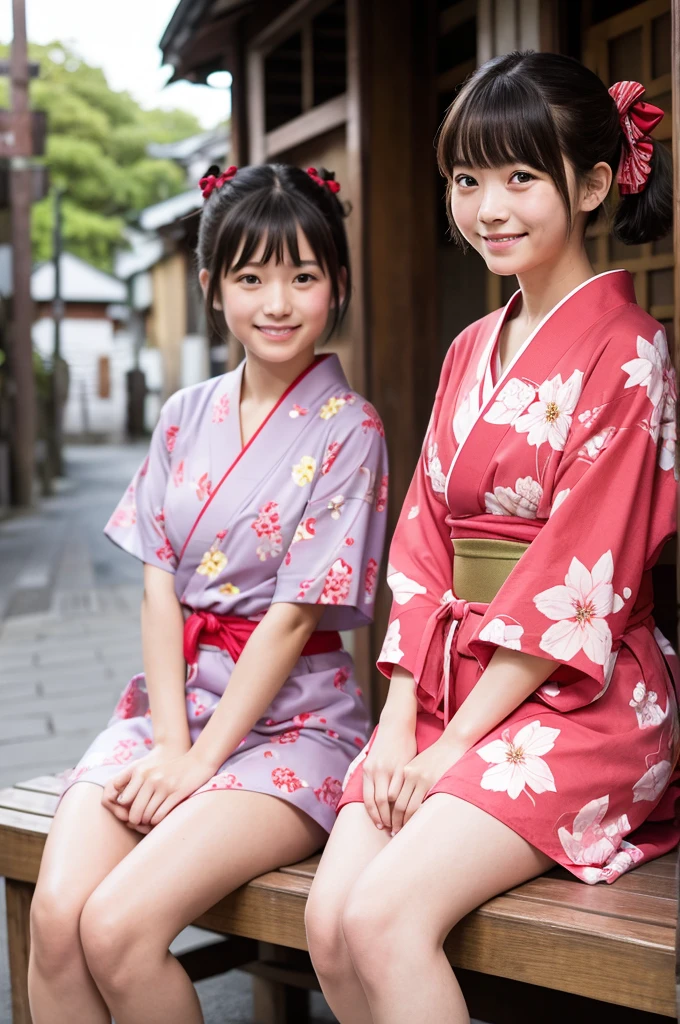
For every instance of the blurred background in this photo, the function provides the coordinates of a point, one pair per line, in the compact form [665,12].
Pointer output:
[109,114]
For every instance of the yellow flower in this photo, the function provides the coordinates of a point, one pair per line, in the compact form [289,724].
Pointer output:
[212,564]
[304,472]
[229,588]
[331,408]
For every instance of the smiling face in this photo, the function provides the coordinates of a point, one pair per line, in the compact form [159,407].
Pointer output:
[513,216]
[277,310]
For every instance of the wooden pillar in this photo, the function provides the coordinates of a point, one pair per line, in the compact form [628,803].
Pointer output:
[505,25]
[18,897]
[394,48]
[675,65]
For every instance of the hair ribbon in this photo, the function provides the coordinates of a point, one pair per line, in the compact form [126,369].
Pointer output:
[208,184]
[638,120]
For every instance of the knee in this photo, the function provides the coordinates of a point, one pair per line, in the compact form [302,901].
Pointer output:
[373,931]
[110,941]
[55,939]
[327,948]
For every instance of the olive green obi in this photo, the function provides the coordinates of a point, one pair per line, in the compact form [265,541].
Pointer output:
[481,567]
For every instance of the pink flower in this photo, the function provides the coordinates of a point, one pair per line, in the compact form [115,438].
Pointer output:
[370,578]
[341,677]
[133,701]
[220,409]
[594,843]
[287,780]
[143,469]
[124,516]
[647,710]
[171,438]
[304,587]
[580,608]
[296,411]
[122,751]
[292,736]
[372,421]
[338,582]
[653,782]
[329,792]
[178,475]
[165,553]
[203,487]
[331,455]
[225,780]
[518,763]
[381,499]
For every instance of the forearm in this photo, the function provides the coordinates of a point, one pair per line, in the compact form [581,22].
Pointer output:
[401,706]
[164,666]
[264,666]
[509,679]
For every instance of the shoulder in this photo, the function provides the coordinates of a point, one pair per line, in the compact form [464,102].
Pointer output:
[187,400]
[358,415]
[465,343]
[631,333]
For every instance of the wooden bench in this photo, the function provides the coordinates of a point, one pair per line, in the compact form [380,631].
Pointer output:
[539,953]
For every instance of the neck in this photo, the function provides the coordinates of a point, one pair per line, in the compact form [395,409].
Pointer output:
[543,287]
[265,382]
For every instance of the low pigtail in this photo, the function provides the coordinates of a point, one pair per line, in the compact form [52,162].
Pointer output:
[648,215]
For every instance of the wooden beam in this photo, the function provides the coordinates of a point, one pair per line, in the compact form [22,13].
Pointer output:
[307,126]
[287,23]
[452,17]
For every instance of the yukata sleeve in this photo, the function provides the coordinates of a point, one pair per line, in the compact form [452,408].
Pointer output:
[336,551]
[584,580]
[137,524]
[420,569]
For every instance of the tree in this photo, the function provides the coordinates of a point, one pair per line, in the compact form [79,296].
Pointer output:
[96,152]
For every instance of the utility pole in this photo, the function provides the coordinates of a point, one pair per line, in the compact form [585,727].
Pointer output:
[59,369]
[21,351]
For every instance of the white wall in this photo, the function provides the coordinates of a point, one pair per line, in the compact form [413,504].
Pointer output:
[83,342]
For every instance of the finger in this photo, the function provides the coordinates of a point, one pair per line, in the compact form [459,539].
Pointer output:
[143,829]
[381,801]
[121,780]
[168,805]
[138,805]
[396,782]
[109,793]
[118,812]
[127,796]
[154,803]
[400,806]
[369,800]
[415,801]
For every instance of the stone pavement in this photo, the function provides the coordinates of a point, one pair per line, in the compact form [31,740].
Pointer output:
[69,641]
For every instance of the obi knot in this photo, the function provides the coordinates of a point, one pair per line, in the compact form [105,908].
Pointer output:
[437,656]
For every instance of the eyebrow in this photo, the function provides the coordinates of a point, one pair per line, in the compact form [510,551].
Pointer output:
[302,263]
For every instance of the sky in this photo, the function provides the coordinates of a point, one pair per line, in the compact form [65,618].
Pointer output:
[122,38]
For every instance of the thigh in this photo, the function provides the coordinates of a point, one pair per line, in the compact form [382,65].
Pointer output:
[352,845]
[204,849]
[449,859]
[84,844]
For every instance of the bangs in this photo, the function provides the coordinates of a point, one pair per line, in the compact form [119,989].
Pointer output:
[274,220]
[502,119]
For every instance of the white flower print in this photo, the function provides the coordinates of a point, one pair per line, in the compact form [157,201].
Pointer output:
[596,444]
[433,469]
[361,756]
[465,416]
[580,608]
[647,710]
[623,860]
[511,401]
[653,782]
[336,505]
[652,369]
[523,501]
[390,649]
[414,512]
[402,587]
[667,431]
[503,634]
[559,498]
[549,417]
[592,843]
[518,763]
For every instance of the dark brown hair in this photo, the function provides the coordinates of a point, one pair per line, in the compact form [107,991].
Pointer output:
[270,202]
[536,109]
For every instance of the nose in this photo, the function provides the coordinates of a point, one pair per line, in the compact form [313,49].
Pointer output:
[276,301]
[493,207]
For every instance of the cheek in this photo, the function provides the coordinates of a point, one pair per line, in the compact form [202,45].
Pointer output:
[546,213]
[464,212]
[314,304]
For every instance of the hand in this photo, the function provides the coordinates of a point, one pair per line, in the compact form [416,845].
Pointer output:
[419,776]
[383,775]
[160,780]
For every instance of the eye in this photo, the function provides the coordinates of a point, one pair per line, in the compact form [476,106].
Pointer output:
[248,279]
[522,177]
[465,180]
[305,278]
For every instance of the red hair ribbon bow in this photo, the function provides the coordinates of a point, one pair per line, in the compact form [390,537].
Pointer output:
[210,182]
[638,120]
[328,183]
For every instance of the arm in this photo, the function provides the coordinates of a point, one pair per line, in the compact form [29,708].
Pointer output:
[393,748]
[164,665]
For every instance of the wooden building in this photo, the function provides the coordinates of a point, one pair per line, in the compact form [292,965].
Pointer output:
[361,88]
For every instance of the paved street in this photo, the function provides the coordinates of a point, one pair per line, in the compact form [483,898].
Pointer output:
[69,640]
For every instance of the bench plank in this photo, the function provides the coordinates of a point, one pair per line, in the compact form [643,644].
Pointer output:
[51,784]
[29,801]
[608,902]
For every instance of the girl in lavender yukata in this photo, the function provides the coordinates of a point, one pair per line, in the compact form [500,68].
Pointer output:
[532,713]
[260,517]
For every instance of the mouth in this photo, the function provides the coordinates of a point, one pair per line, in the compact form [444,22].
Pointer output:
[503,241]
[276,333]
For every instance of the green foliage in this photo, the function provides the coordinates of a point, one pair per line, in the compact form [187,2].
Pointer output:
[96,152]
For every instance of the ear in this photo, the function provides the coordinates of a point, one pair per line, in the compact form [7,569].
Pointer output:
[596,185]
[342,284]
[204,281]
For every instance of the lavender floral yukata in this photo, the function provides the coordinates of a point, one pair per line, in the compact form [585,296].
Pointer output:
[297,515]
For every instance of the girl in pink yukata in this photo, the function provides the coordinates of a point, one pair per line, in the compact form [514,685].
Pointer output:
[531,716]
[259,516]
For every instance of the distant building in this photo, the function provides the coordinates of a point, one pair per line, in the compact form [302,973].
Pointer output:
[94,342]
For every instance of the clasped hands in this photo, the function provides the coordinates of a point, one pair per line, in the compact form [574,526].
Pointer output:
[144,792]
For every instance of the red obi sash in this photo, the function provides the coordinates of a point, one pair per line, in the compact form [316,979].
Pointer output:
[231,633]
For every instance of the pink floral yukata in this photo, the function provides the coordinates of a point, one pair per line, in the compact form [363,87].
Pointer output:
[571,450]
[298,515]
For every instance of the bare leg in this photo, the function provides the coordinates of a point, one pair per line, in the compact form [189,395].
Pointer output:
[205,848]
[352,845]
[85,842]
[450,858]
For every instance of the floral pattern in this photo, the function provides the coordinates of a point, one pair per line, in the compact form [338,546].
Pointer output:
[434,469]
[653,783]
[381,497]
[648,712]
[523,501]
[549,417]
[503,634]
[580,609]
[402,587]
[518,763]
[370,578]
[594,841]
[304,472]
[267,527]
[391,651]
[330,456]
[212,563]
[338,582]
[171,438]
[287,780]
[329,792]
[511,402]
[331,408]
[372,421]
[220,409]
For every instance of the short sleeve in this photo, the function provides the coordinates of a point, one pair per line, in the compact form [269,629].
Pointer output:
[584,579]
[335,554]
[137,524]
